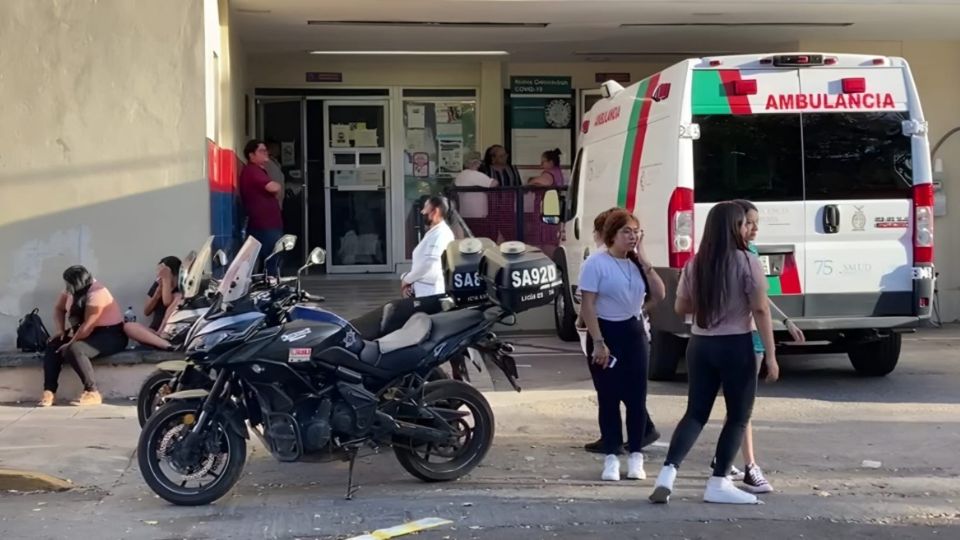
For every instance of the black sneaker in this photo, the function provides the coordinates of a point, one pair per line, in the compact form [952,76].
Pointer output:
[754,481]
[596,447]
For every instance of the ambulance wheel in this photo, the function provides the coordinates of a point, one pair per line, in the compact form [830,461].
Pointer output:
[876,358]
[564,317]
[665,352]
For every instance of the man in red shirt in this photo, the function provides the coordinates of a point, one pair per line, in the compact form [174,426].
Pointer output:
[261,200]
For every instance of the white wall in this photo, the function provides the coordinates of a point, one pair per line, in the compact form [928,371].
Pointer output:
[102,161]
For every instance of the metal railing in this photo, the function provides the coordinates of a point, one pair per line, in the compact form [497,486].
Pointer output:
[507,213]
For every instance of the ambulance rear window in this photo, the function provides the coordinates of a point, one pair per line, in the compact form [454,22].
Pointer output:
[755,157]
[857,156]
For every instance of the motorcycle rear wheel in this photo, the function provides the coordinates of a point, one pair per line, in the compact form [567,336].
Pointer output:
[449,461]
[157,385]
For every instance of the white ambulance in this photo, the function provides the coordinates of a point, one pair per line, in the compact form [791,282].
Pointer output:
[832,148]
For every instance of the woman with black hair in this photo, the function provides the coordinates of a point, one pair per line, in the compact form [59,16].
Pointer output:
[725,290]
[95,329]
[163,299]
[552,175]
[496,165]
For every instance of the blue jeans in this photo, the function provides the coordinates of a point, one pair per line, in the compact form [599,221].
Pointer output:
[268,237]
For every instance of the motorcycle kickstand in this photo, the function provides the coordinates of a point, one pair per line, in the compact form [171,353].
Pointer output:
[351,487]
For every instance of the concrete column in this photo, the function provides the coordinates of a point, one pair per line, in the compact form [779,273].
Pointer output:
[491,103]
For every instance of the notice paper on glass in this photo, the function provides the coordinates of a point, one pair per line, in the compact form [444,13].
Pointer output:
[345,178]
[416,116]
[449,113]
[371,177]
[366,138]
[340,135]
[451,156]
[416,141]
[288,154]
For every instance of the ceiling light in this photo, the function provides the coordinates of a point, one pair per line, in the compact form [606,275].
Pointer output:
[433,24]
[686,54]
[412,53]
[735,24]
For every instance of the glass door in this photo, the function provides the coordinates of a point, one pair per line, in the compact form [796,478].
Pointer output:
[281,123]
[357,168]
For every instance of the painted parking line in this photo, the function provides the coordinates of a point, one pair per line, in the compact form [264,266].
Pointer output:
[404,529]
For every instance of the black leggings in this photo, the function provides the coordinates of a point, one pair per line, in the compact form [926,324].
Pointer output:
[625,382]
[103,341]
[712,362]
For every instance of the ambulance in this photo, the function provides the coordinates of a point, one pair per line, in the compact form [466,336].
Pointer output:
[832,149]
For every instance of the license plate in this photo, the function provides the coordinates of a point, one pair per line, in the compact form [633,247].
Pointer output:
[765,263]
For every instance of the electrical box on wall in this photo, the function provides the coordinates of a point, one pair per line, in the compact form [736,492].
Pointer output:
[939,195]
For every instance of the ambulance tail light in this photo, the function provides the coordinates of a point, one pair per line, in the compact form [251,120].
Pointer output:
[680,227]
[923,224]
[854,85]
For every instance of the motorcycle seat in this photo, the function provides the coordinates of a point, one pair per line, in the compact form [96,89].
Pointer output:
[421,334]
[415,331]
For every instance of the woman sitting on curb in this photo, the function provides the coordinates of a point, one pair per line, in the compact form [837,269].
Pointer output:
[96,329]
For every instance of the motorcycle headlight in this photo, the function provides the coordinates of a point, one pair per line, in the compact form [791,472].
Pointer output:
[207,342]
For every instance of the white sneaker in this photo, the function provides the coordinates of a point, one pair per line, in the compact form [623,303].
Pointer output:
[721,490]
[611,468]
[635,467]
[664,485]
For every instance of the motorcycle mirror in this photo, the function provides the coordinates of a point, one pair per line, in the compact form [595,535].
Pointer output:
[318,256]
[286,243]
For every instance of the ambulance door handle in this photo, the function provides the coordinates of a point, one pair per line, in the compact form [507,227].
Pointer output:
[831,219]
[576,228]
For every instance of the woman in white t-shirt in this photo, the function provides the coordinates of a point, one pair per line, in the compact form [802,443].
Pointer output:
[614,284]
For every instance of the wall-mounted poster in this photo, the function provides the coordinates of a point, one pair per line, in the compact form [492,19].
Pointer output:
[541,118]
[416,116]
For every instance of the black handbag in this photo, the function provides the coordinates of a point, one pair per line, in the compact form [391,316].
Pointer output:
[32,335]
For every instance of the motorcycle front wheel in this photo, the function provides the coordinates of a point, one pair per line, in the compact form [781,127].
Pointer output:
[195,475]
[471,437]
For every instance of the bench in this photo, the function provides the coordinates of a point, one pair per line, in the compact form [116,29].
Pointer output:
[118,376]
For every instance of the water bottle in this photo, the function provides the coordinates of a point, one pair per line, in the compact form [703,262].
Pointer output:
[130,316]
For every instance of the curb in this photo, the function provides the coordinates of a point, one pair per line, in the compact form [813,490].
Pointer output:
[18,480]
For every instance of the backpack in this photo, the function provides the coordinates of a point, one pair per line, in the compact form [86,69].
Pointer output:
[32,335]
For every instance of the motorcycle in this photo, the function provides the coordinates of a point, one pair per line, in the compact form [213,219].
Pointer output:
[177,375]
[316,391]
[197,289]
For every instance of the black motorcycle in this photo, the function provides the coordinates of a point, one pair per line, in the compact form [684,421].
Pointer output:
[316,391]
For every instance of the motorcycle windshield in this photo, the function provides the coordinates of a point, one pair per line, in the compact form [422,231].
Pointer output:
[193,268]
[237,279]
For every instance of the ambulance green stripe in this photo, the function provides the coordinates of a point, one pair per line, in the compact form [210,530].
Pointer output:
[709,96]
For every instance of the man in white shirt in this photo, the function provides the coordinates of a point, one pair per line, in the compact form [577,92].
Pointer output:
[425,277]
[473,205]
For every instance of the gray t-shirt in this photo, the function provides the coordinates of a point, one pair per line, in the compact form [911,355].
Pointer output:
[617,283]
[745,280]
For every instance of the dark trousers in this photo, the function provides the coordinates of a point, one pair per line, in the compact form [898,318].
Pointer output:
[268,237]
[714,362]
[103,341]
[625,382]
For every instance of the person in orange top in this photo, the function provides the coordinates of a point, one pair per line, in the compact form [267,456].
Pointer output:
[95,329]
